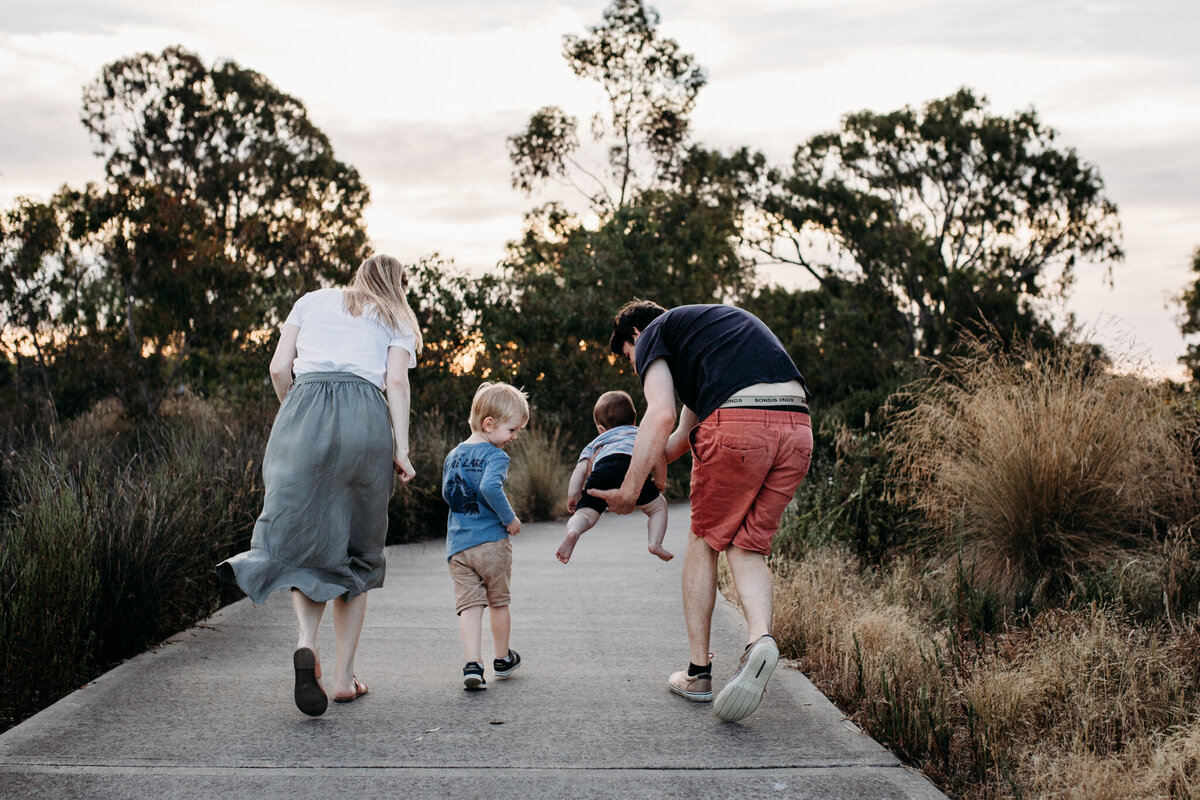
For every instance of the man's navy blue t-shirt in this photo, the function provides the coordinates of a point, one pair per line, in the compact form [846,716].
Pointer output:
[714,351]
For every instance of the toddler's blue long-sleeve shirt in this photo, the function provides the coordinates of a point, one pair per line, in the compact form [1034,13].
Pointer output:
[473,486]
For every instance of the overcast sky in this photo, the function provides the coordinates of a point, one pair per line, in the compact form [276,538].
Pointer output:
[420,95]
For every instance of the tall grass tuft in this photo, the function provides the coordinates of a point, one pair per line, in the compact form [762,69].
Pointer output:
[1048,643]
[49,582]
[109,539]
[1046,464]
[537,481]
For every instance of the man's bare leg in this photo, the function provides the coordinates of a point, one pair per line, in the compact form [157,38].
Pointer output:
[744,691]
[699,596]
[755,589]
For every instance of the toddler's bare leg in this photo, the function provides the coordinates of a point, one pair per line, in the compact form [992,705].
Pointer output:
[656,527]
[579,523]
[470,627]
[501,621]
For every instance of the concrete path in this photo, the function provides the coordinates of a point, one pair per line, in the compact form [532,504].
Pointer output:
[588,715]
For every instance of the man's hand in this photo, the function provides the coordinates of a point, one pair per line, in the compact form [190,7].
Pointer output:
[617,502]
[513,527]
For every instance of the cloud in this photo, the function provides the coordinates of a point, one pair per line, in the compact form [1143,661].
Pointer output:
[441,187]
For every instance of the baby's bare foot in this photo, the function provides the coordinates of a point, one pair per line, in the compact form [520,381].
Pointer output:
[661,552]
[565,549]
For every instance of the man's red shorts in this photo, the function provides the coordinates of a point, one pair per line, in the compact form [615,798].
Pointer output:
[746,465]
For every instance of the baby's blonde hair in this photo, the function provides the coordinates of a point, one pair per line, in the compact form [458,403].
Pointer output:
[380,283]
[502,402]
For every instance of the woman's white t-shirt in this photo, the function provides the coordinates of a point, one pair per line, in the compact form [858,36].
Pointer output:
[333,341]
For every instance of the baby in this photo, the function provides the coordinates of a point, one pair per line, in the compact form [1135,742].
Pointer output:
[602,465]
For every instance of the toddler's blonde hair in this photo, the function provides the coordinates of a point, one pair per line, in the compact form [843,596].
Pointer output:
[378,288]
[502,402]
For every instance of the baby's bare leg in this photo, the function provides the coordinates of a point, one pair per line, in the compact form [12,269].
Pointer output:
[579,523]
[656,527]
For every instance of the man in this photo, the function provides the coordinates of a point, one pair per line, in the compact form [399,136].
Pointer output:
[745,418]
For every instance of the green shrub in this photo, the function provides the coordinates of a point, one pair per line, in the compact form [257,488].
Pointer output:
[847,498]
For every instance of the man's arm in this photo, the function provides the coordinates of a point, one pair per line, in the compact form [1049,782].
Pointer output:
[659,388]
[678,443]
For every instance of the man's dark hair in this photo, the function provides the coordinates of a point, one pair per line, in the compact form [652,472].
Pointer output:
[634,314]
[614,409]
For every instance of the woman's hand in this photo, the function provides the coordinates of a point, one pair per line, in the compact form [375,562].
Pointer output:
[403,466]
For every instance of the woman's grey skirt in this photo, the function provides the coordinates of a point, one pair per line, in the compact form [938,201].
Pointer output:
[328,475]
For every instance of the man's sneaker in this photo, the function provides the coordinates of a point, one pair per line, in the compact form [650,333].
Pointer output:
[743,693]
[473,676]
[697,688]
[503,667]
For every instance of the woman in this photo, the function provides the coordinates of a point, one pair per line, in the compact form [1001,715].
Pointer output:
[328,465]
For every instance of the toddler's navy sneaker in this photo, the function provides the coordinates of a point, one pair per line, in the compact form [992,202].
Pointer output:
[503,667]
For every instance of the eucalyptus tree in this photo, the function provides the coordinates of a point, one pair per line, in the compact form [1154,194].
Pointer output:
[950,213]
[649,86]
[53,349]
[222,202]
[660,217]
[30,284]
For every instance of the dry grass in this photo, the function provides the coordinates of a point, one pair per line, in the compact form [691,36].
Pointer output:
[537,479]
[1051,486]
[1077,704]
[416,510]
[1043,465]
[1042,640]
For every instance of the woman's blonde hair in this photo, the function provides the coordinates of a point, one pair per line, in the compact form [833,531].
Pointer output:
[502,402]
[378,288]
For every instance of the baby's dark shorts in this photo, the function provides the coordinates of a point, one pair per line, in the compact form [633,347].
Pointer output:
[609,473]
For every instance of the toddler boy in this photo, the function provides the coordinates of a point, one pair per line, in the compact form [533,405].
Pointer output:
[480,521]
